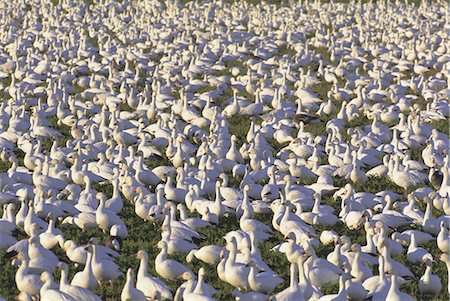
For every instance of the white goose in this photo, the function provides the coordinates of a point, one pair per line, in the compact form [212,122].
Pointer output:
[86,278]
[235,273]
[262,282]
[293,292]
[49,292]
[148,284]
[78,293]
[129,292]
[102,268]
[429,284]
[25,281]
[168,268]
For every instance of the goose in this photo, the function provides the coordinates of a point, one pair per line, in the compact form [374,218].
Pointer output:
[27,282]
[104,217]
[395,267]
[72,290]
[201,289]
[443,239]
[259,229]
[115,203]
[236,273]
[429,284]
[194,290]
[250,296]
[342,294]
[175,244]
[291,293]
[416,254]
[177,228]
[168,268]
[405,237]
[148,284]
[320,271]
[233,108]
[392,218]
[85,278]
[209,254]
[394,293]
[430,224]
[37,251]
[404,179]
[359,270]
[172,193]
[129,292]
[262,282]
[191,222]
[48,291]
[102,268]
[51,237]
[328,236]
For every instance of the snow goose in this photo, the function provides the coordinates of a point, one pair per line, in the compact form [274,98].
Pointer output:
[104,217]
[443,240]
[392,218]
[129,292]
[342,293]
[201,288]
[259,229]
[104,269]
[168,268]
[174,243]
[192,222]
[236,273]
[49,292]
[429,284]
[290,221]
[45,259]
[172,193]
[416,254]
[76,292]
[293,292]
[404,238]
[262,282]
[320,271]
[404,179]
[394,293]
[193,289]
[209,254]
[148,284]
[52,236]
[27,282]
[395,267]
[359,269]
[430,223]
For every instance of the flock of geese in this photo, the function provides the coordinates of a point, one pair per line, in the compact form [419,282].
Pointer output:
[94,93]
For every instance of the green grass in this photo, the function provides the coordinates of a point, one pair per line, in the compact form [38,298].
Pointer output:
[442,125]
[144,235]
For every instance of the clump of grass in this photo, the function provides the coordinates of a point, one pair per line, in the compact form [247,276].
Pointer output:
[322,89]
[8,289]
[239,126]
[286,50]
[442,125]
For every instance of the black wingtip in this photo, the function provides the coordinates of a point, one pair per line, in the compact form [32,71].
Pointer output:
[10,254]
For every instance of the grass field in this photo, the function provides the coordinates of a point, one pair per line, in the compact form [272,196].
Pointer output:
[144,235]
